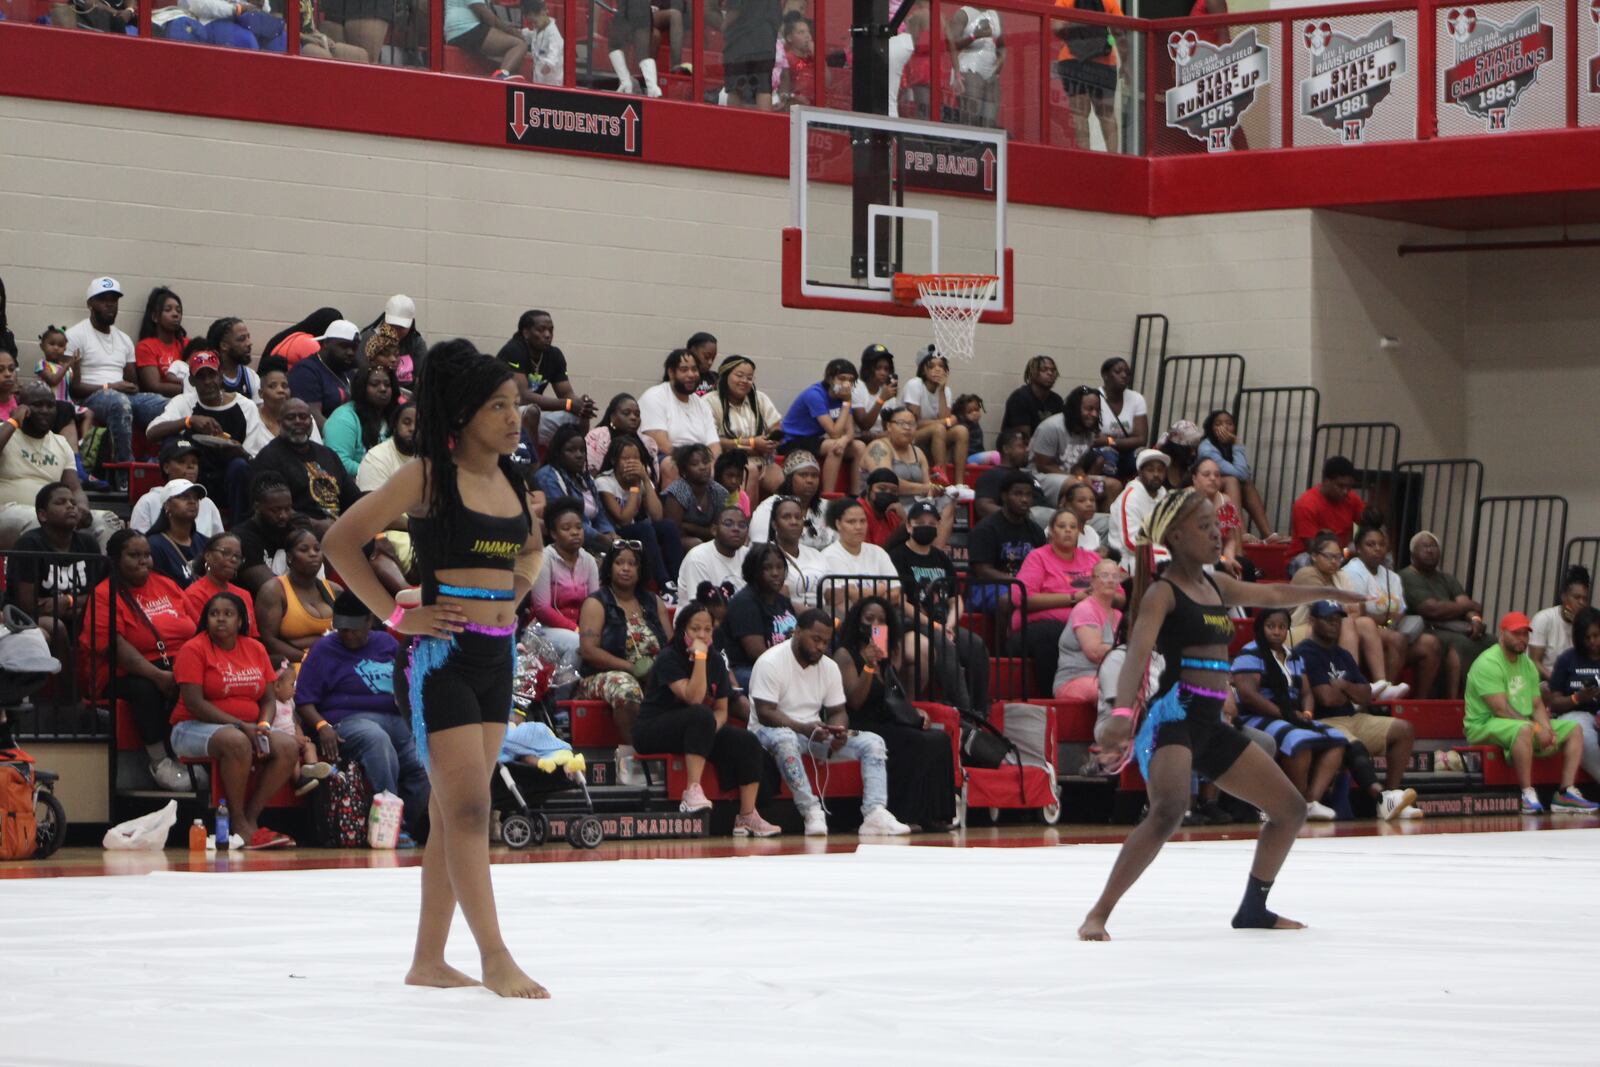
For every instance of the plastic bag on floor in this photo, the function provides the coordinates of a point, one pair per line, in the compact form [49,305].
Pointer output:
[146,833]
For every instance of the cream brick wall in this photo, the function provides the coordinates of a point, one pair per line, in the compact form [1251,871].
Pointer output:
[269,223]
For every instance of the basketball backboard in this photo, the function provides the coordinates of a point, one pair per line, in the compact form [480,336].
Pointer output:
[873,196]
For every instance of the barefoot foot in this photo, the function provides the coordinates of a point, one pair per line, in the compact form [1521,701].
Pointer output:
[1288,924]
[1093,930]
[440,975]
[502,975]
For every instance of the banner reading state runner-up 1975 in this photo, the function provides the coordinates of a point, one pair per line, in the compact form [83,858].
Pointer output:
[1588,72]
[1501,68]
[1356,79]
[1215,86]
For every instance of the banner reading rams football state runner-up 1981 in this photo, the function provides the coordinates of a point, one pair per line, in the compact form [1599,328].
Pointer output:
[1216,84]
[1350,76]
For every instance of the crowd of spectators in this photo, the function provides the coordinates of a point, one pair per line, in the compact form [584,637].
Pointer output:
[836,515]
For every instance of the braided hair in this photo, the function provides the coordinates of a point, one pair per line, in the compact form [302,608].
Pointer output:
[1072,414]
[724,371]
[457,381]
[1031,369]
[1168,512]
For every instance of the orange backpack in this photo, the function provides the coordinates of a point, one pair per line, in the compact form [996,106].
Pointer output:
[18,831]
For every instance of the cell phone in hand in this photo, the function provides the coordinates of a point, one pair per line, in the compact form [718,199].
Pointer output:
[880,639]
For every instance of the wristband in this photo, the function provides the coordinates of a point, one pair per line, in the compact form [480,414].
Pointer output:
[569,403]
[15,425]
[263,726]
[320,724]
[1122,713]
[633,488]
[393,621]
[186,420]
[700,657]
[869,669]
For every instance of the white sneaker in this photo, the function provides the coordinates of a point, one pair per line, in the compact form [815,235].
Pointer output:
[170,775]
[1391,692]
[1317,811]
[1394,801]
[816,823]
[882,823]
[1412,813]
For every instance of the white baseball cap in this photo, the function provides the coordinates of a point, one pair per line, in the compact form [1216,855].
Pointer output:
[179,486]
[102,286]
[1152,455]
[400,311]
[340,330]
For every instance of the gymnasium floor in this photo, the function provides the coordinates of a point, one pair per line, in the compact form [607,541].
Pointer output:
[1451,941]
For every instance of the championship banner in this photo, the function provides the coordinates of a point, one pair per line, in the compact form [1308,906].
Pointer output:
[1216,84]
[1594,61]
[1350,76]
[1495,63]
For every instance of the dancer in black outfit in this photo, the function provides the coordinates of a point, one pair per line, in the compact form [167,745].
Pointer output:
[478,551]
[1184,616]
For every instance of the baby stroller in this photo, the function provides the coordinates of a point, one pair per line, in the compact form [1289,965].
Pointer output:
[516,781]
[26,666]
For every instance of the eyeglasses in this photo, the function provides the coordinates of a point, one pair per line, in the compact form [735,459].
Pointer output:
[1328,555]
[227,554]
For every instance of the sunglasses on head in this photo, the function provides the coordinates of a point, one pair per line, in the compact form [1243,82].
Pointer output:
[637,546]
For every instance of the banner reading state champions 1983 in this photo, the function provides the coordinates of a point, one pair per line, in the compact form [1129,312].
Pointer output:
[1216,84]
[1350,76]
[1495,63]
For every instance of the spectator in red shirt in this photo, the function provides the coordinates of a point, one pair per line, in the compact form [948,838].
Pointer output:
[797,78]
[153,620]
[882,503]
[1333,505]
[161,340]
[225,709]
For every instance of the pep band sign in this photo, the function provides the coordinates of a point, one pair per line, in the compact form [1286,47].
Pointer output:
[1350,76]
[1495,63]
[1216,84]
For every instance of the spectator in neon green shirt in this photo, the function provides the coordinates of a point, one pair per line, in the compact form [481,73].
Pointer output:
[1504,708]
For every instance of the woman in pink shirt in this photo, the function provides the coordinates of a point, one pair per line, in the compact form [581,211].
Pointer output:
[1056,577]
[566,578]
[1090,634]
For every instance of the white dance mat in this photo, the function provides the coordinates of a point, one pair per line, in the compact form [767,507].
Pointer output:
[1458,949]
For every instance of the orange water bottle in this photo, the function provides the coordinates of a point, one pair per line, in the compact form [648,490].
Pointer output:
[197,837]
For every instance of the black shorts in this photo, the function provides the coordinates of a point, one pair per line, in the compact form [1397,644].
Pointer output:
[746,78]
[342,11]
[473,39]
[812,444]
[1214,745]
[1097,81]
[460,682]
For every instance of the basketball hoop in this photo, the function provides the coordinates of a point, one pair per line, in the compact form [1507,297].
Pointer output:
[953,302]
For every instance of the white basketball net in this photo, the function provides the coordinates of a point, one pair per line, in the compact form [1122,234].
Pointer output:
[954,302]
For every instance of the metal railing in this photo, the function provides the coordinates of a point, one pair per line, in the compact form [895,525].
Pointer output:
[928,664]
[1374,448]
[1516,552]
[1343,76]
[1441,496]
[1278,424]
[1191,387]
[61,708]
[1148,350]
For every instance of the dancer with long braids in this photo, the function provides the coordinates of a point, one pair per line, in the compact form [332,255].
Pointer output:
[478,552]
[1184,617]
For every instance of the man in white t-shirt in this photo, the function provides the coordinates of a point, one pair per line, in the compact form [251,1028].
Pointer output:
[1136,502]
[31,457]
[719,561]
[104,382]
[798,697]
[672,415]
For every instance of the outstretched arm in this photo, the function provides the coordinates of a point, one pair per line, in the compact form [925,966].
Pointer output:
[1253,595]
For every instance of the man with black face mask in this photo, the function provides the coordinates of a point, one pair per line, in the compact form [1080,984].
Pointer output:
[31,457]
[930,579]
[882,501]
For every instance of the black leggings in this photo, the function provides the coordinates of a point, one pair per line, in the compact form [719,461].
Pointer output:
[1359,764]
[152,709]
[693,730]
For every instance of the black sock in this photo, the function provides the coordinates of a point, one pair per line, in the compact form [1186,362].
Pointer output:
[1253,913]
